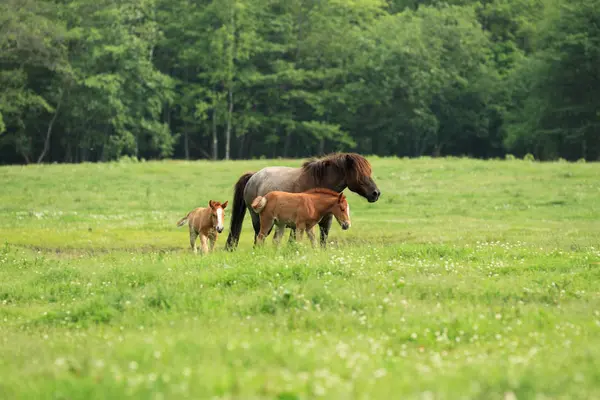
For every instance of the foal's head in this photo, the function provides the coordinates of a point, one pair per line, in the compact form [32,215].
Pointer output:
[341,211]
[217,214]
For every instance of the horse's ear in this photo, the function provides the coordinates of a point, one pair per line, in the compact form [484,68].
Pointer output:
[349,161]
[224,204]
[211,204]
[341,197]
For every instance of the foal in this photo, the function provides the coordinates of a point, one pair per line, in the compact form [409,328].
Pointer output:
[299,210]
[206,222]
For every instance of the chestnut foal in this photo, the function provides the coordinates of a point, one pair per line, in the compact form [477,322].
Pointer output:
[206,222]
[299,210]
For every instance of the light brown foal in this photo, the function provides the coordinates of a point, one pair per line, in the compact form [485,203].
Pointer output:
[299,210]
[206,222]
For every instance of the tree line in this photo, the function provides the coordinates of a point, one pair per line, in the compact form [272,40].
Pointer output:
[96,80]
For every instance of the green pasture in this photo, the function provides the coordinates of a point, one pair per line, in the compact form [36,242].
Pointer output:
[466,280]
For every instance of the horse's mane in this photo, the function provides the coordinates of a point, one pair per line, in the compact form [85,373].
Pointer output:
[322,191]
[351,163]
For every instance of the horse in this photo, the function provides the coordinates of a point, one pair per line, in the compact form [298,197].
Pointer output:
[206,222]
[336,171]
[299,210]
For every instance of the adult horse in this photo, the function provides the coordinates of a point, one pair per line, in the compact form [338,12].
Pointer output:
[336,172]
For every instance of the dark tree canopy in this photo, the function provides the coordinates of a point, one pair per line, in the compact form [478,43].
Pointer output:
[84,80]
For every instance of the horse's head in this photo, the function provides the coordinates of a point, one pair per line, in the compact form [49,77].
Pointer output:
[358,177]
[217,214]
[340,170]
[341,212]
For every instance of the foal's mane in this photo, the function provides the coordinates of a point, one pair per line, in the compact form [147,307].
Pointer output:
[351,163]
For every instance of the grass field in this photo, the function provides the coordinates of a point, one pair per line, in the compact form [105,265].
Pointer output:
[468,279]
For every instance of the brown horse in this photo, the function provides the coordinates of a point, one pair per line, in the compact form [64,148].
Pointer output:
[206,222]
[299,210]
[335,171]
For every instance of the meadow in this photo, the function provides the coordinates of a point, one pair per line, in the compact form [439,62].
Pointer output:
[467,279]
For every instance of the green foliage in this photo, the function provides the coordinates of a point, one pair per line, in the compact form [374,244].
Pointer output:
[559,114]
[94,80]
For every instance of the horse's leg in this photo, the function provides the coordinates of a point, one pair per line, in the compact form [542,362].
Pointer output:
[279,231]
[255,223]
[311,235]
[193,237]
[203,241]
[325,226]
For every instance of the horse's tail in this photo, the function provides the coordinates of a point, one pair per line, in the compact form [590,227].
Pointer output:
[238,212]
[259,204]
[183,220]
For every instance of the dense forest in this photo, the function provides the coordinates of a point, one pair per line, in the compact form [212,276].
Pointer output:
[97,80]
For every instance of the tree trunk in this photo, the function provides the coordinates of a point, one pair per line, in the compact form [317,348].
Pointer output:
[208,156]
[186,144]
[25,157]
[286,144]
[250,148]
[215,139]
[241,146]
[228,131]
[67,158]
[49,130]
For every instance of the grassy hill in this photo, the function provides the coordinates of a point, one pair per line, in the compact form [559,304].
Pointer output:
[468,279]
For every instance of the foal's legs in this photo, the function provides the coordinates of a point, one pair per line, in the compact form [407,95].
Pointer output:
[300,228]
[212,238]
[266,224]
[279,231]
[292,234]
[311,235]
[203,241]
[325,226]
[193,237]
